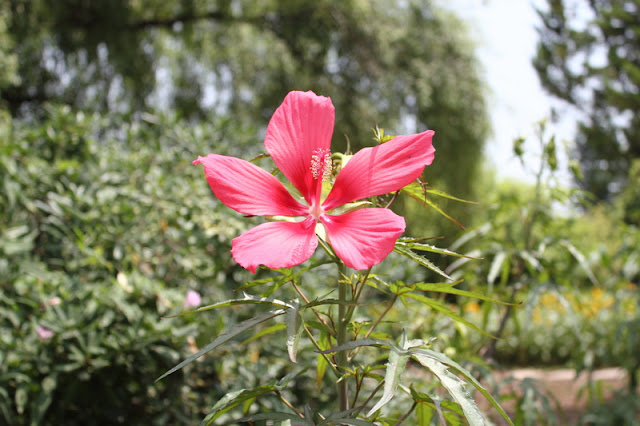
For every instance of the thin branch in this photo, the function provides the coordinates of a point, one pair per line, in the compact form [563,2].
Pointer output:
[403,418]
[322,320]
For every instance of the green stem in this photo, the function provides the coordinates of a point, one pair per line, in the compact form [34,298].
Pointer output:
[342,337]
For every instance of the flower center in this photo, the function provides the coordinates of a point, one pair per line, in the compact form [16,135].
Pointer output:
[321,164]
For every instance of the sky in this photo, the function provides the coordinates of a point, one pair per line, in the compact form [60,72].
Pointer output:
[505,36]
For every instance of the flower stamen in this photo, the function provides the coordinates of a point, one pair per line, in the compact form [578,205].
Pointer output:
[321,164]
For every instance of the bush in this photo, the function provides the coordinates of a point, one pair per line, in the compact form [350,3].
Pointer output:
[106,225]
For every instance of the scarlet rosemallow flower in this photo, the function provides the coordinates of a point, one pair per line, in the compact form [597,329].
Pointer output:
[298,139]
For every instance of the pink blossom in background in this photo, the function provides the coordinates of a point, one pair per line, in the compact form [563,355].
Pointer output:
[298,139]
[55,301]
[44,333]
[192,299]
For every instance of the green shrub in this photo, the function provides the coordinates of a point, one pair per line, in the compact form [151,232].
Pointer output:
[105,227]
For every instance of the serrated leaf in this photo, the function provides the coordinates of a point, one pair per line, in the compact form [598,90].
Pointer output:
[277,416]
[295,327]
[225,337]
[448,288]
[232,400]
[449,196]
[395,367]
[445,310]
[238,397]
[467,375]
[421,260]
[411,243]
[455,386]
[343,417]
[418,192]
[246,300]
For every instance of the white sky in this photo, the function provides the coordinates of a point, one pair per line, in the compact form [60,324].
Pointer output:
[505,36]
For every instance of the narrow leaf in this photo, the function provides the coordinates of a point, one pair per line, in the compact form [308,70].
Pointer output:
[496,266]
[247,300]
[421,260]
[467,375]
[413,244]
[277,416]
[445,310]
[225,337]
[265,332]
[455,386]
[448,288]
[582,260]
[395,368]
[295,327]
[354,344]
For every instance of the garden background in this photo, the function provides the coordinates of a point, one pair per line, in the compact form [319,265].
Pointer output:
[106,226]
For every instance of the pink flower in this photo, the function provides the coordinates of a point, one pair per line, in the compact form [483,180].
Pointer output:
[44,333]
[298,139]
[192,299]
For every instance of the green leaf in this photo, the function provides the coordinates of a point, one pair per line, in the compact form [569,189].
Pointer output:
[398,358]
[448,288]
[247,300]
[295,327]
[225,337]
[417,191]
[420,260]
[449,196]
[265,332]
[236,398]
[354,344]
[344,417]
[582,260]
[413,244]
[277,416]
[455,386]
[427,353]
[496,266]
[445,310]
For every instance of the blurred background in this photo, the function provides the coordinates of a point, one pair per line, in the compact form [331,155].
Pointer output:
[106,228]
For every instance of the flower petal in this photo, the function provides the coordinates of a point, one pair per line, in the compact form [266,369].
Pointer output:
[247,188]
[300,127]
[276,244]
[382,169]
[363,238]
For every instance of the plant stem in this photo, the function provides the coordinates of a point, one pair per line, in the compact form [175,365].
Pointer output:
[342,337]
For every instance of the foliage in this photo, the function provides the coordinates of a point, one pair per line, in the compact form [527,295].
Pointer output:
[96,247]
[588,56]
[408,66]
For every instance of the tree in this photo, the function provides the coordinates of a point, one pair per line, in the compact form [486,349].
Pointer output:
[405,66]
[594,64]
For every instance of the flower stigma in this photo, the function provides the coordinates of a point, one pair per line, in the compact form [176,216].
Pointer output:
[321,164]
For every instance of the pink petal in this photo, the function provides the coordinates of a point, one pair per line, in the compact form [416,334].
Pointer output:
[363,238]
[247,188]
[44,333]
[382,169]
[276,244]
[192,299]
[301,126]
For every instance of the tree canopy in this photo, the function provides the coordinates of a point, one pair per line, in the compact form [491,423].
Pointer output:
[589,56]
[405,66]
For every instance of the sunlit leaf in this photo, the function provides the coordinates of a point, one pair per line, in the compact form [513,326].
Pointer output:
[295,327]
[426,354]
[421,260]
[455,386]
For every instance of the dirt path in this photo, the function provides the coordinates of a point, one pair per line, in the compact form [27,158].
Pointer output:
[566,392]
